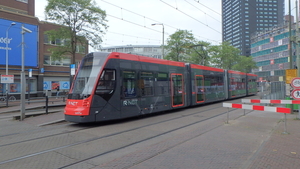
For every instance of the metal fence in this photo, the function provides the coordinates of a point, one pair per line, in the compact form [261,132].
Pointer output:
[272,90]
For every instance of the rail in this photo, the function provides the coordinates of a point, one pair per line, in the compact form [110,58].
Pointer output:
[14,99]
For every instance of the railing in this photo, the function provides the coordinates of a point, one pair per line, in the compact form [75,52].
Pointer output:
[14,99]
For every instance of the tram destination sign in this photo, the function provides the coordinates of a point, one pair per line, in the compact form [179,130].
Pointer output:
[295,82]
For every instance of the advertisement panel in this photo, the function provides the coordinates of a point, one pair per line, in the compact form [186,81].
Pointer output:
[14,41]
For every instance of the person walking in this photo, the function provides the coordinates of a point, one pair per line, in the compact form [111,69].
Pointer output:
[57,91]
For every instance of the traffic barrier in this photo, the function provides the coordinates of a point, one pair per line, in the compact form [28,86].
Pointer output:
[271,101]
[259,108]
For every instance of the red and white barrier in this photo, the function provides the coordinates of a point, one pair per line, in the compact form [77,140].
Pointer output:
[271,101]
[257,107]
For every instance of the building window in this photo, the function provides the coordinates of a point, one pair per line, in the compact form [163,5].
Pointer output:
[25,1]
[80,49]
[64,61]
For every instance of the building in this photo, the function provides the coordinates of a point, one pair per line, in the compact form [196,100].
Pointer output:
[46,72]
[270,50]
[240,18]
[153,51]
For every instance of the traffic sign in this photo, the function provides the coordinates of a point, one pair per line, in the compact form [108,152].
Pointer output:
[295,82]
[296,94]
[72,66]
[290,74]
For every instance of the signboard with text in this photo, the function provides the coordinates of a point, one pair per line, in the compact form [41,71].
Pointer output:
[14,41]
[7,78]
[290,74]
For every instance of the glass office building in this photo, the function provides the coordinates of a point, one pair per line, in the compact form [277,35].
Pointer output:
[240,18]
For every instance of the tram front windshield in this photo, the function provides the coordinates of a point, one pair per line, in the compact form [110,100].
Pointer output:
[86,77]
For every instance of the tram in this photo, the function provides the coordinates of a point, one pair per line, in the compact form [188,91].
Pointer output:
[109,86]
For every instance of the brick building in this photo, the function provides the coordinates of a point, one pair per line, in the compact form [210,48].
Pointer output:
[46,72]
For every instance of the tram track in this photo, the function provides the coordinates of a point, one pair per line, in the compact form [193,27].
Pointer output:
[111,135]
[95,126]
[184,115]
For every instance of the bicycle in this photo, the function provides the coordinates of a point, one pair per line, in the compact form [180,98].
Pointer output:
[11,98]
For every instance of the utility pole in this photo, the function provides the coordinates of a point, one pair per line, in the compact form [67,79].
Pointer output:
[290,33]
[297,41]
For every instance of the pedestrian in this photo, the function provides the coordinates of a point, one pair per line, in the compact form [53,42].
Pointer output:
[57,91]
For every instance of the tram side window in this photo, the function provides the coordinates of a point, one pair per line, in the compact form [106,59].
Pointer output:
[129,84]
[106,83]
[162,84]
[146,83]
[232,84]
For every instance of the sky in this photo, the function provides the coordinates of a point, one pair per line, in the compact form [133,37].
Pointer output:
[130,21]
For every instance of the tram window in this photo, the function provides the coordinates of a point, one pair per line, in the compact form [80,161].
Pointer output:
[162,84]
[106,83]
[146,83]
[129,84]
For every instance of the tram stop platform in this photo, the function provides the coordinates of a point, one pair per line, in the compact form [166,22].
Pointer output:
[256,140]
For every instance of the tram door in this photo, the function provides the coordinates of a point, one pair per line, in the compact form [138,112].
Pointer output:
[177,89]
[199,88]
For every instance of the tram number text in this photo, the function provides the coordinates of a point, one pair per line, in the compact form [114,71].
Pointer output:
[130,102]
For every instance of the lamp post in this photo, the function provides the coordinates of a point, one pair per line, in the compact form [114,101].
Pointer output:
[163,37]
[23,83]
[6,86]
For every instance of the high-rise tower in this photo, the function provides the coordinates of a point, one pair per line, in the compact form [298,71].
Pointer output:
[240,18]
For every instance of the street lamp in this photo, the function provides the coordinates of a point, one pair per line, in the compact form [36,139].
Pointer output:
[23,83]
[12,24]
[163,37]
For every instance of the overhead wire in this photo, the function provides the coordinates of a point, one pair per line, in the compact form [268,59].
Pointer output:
[202,11]
[144,26]
[190,16]
[207,7]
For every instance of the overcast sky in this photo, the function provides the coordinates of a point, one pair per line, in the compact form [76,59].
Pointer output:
[130,21]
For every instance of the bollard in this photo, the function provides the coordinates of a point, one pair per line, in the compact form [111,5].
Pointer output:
[227,116]
[46,104]
[285,130]
[7,98]
[298,111]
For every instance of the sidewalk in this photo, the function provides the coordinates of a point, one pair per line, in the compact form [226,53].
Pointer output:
[281,150]
[254,141]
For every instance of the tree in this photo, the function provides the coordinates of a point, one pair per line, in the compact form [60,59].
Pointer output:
[199,54]
[178,45]
[82,23]
[245,64]
[224,56]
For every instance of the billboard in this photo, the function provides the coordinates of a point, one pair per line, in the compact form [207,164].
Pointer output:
[14,43]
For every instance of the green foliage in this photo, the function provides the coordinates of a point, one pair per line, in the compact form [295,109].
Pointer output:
[83,22]
[178,45]
[224,56]
[199,53]
[182,46]
[245,64]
